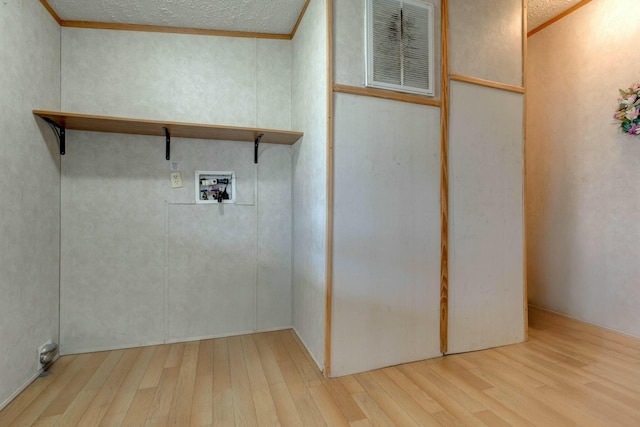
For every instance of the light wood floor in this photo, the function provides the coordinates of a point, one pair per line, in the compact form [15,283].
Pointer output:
[568,374]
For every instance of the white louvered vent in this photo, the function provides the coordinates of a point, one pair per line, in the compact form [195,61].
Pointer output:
[400,45]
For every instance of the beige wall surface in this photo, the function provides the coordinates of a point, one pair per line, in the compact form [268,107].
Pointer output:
[486,291]
[486,39]
[583,198]
[486,160]
[30,202]
[386,296]
[309,107]
[140,262]
[386,254]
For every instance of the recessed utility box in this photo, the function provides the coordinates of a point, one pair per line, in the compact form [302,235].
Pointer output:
[215,187]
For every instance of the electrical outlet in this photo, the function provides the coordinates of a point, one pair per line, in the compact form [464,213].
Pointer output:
[40,365]
[176,180]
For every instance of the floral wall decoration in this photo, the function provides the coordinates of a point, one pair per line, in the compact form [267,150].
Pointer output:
[628,112]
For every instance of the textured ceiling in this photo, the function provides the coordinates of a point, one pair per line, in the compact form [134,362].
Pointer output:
[259,16]
[540,11]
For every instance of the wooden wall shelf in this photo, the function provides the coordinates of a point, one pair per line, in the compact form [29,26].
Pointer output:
[94,123]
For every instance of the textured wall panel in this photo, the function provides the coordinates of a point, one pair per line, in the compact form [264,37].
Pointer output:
[309,106]
[485,39]
[116,187]
[387,234]
[485,218]
[218,80]
[583,199]
[212,270]
[30,203]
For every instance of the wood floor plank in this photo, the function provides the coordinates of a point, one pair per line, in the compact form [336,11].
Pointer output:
[161,404]
[566,374]
[262,399]
[244,410]
[285,406]
[152,375]
[330,412]
[98,407]
[349,408]
[384,400]
[139,408]
[123,398]
[201,414]
[35,389]
[180,412]
[73,388]
[32,412]
[222,405]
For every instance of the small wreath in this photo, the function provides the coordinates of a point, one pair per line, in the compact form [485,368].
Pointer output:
[628,112]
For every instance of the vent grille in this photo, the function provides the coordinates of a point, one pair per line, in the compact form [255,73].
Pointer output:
[400,46]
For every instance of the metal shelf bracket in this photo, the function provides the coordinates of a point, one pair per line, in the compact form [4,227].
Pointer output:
[168,143]
[255,148]
[60,133]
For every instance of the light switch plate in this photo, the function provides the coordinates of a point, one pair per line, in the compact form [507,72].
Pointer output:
[176,180]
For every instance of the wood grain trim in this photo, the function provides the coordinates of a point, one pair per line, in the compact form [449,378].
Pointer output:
[329,237]
[487,83]
[51,11]
[559,17]
[524,170]
[302,12]
[385,94]
[172,30]
[444,182]
[87,122]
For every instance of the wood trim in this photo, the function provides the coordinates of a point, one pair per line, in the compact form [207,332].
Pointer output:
[330,154]
[559,17]
[51,11]
[385,94]
[302,12]
[444,181]
[111,124]
[172,30]
[487,83]
[524,169]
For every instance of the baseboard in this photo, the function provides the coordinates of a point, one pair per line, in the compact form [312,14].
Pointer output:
[208,337]
[81,350]
[279,328]
[169,341]
[575,319]
[25,385]
[320,365]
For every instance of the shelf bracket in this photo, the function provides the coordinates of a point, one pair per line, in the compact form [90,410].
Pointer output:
[255,148]
[60,134]
[167,150]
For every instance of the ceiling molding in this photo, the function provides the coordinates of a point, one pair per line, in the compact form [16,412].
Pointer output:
[51,11]
[173,30]
[559,17]
[304,9]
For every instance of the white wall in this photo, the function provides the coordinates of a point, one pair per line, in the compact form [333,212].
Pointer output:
[386,295]
[486,292]
[309,112]
[486,288]
[140,263]
[583,199]
[485,39]
[30,203]
[386,279]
